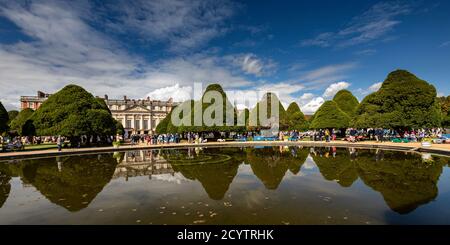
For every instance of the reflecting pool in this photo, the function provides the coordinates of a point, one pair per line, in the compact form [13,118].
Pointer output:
[228,185]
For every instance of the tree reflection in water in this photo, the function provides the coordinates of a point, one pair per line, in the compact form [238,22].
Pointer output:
[270,164]
[336,165]
[405,180]
[5,186]
[214,169]
[70,182]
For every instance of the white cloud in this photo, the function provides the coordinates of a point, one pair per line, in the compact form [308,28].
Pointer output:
[312,106]
[284,91]
[306,97]
[181,24]
[66,49]
[327,74]
[334,88]
[375,87]
[176,92]
[366,52]
[251,64]
[284,88]
[322,40]
[372,25]
[248,98]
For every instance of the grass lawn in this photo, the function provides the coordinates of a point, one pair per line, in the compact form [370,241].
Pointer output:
[40,147]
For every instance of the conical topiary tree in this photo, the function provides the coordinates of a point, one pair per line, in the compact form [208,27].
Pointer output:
[267,102]
[403,101]
[329,115]
[296,118]
[346,101]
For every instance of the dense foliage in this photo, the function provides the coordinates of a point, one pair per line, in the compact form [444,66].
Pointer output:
[73,112]
[4,118]
[119,128]
[329,115]
[267,103]
[296,119]
[22,124]
[346,101]
[205,105]
[403,101]
[12,114]
[445,108]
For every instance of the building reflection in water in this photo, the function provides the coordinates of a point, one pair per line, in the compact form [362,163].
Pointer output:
[142,163]
[404,180]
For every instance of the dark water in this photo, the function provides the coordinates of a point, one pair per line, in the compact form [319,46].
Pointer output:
[275,185]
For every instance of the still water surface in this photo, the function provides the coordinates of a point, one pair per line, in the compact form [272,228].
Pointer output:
[269,185]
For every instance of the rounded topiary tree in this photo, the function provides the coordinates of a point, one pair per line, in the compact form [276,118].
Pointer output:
[23,119]
[403,101]
[296,119]
[329,115]
[4,118]
[73,112]
[346,101]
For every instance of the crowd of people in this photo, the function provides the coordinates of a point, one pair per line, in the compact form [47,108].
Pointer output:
[155,139]
[353,134]
[19,142]
[350,134]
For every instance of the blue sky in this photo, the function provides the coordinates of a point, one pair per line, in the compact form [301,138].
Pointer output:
[304,50]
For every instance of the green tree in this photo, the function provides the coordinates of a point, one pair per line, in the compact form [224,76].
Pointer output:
[329,115]
[228,121]
[161,128]
[403,101]
[267,103]
[22,119]
[4,118]
[73,112]
[119,128]
[12,114]
[445,109]
[229,114]
[101,122]
[346,101]
[296,118]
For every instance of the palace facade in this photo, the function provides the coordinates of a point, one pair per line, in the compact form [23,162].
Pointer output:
[139,116]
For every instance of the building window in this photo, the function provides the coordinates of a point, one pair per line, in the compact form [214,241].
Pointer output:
[145,124]
[128,124]
[30,105]
[153,124]
[137,124]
